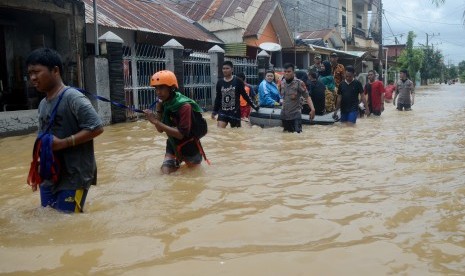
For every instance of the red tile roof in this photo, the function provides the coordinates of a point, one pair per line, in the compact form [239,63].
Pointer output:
[146,16]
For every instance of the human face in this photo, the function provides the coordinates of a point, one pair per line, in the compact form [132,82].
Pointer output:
[42,78]
[163,92]
[349,76]
[333,60]
[269,77]
[288,73]
[403,76]
[371,76]
[227,71]
[317,60]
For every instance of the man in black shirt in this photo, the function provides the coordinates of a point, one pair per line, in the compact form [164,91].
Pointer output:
[227,101]
[348,100]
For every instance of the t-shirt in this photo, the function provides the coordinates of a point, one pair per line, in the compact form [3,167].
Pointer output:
[404,89]
[388,90]
[374,91]
[316,89]
[227,101]
[292,92]
[350,95]
[75,112]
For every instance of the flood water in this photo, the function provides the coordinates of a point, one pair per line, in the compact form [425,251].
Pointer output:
[386,197]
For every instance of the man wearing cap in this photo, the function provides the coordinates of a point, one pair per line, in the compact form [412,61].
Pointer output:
[337,69]
[316,67]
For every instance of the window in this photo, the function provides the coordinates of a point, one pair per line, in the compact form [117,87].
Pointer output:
[344,21]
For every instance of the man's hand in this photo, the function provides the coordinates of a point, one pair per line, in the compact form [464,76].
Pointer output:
[312,114]
[151,117]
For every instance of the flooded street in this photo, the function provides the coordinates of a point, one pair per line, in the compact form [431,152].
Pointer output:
[386,197]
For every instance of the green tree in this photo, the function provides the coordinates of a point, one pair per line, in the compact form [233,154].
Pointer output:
[461,67]
[431,65]
[411,59]
[453,72]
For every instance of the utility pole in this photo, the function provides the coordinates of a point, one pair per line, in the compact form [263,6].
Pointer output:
[296,8]
[380,51]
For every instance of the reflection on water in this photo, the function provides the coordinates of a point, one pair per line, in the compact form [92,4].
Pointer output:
[385,196]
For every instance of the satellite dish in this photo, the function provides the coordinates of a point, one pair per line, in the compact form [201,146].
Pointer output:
[270,46]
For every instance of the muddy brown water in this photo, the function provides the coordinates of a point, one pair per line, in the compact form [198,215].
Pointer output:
[386,197]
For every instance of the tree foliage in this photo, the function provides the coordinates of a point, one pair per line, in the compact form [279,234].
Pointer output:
[411,59]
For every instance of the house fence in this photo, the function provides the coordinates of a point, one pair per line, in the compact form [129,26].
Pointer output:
[141,61]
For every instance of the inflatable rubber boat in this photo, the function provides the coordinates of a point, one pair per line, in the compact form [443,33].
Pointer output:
[271,117]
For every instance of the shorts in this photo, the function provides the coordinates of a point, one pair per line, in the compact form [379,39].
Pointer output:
[233,121]
[245,111]
[292,125]
[349,116]
[404,106]
[67,201]
[190,154]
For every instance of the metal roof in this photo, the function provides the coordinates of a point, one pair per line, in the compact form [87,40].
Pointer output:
[146,16]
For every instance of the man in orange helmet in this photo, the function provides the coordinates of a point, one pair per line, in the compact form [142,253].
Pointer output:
[174,116]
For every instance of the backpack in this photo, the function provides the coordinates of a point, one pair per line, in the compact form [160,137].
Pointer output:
[199,125]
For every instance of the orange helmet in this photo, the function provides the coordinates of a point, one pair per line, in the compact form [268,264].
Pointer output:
[164,77]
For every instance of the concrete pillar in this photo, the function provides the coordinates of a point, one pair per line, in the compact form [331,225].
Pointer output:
[111,47]
[263,60]
[279,59]
[174,53]
[306,61]
[216,64]
[98,83]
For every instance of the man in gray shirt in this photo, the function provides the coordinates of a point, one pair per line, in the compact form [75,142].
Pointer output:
[404,93]
[68,118]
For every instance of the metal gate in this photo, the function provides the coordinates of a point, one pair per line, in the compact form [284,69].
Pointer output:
[140,62]
[197,78]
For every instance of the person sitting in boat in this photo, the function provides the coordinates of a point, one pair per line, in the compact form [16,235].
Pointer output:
[268,91]
[326,77]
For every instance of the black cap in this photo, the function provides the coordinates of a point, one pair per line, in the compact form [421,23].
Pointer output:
[333,54]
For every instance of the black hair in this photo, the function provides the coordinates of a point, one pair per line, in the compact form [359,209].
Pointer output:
[241,75]
[313,75]
[372,71]
[269,71]
[289,65]
[46,57]
[390,81]
[405,71]
[228,63]
[350,69]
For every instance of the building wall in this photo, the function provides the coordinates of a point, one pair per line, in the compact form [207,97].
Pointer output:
[310,15]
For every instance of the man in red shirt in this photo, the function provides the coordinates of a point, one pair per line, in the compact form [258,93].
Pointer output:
[389,91]
[374,89]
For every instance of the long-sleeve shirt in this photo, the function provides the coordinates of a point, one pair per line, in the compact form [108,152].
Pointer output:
[227,101]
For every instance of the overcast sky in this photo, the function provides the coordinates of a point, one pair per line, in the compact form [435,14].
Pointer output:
[444,24]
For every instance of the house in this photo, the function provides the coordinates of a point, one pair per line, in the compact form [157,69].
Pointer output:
[356,21]
[242,24]
[29,24]
[145,22]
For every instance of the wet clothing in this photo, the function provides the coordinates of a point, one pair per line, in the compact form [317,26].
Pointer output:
[178,112]
[349,93]
[404,89]
[68,201]
[227,101]
[78,169]
[268,94]
[316,90]
[374,91]
[292,125]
